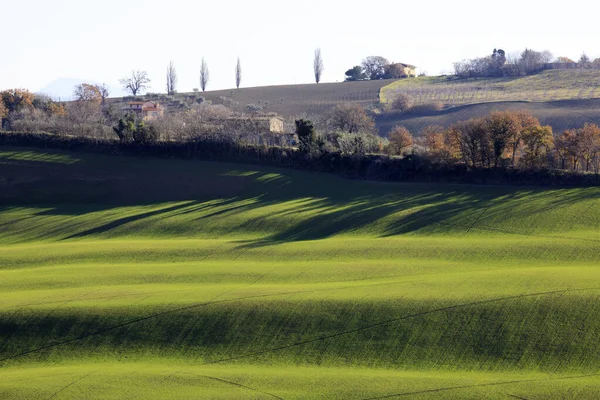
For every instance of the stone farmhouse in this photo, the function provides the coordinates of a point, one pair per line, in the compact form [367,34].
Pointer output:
[400,70]
[409,70]
[148,110]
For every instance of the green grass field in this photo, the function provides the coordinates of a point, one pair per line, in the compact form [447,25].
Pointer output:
[126,277]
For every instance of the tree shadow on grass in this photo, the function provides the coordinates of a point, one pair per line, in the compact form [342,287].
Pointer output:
[122,221]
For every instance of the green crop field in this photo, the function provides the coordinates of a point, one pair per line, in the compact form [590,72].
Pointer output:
[145,278]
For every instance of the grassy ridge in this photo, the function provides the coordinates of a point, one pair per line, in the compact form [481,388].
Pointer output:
[246,282]
[548,85]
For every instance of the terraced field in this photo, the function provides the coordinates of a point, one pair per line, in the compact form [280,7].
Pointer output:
[145,278]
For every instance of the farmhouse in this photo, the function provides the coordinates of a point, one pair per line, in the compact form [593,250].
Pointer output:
[148,110]
[401,70]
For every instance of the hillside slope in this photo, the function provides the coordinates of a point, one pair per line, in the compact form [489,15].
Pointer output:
[297,100]
[551,85]
[560,115]
[148,278]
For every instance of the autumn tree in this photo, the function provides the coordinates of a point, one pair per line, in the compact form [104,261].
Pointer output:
[400,139]
[473,140]
[374,67]
[171,79]
[204,75]
[351,118]
[3,110]
[86,105]
[505,128]
[502,127]
[566,146]
[16,100]
[137,82]
[238,73]
[588,144]
[87,92]
[564,60]
[442,144]
[318,65]
[46,104]
[538,142]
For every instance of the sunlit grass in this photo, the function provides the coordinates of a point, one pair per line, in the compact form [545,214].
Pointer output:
[269,283]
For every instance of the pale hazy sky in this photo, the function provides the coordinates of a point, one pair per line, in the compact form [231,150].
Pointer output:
[101,41]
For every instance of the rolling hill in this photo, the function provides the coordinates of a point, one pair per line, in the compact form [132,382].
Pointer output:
[560,115]
[564,99]
[550,85]
[131,277]
[298,100]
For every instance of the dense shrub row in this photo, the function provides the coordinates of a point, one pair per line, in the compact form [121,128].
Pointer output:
[376,167]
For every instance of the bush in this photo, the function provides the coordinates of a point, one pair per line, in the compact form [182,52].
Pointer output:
[402,102]
[253,108]
[359,143]
[428,108]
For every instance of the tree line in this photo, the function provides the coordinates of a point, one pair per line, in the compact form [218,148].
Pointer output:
[502,139]
[138,81]
[375,67]
[527,62]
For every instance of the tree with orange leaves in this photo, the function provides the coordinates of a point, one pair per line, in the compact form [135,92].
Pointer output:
[441,143]
[521,120]
[538,142]
[16,100]
[566,146]
[400,139]
[589,144]
[3,110]
[87,104]
[88,93]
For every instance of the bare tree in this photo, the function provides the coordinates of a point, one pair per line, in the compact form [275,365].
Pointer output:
[204,75]
[104,92]
[318,65]
[238,73]
[374,66]
[138,81]
[171,79]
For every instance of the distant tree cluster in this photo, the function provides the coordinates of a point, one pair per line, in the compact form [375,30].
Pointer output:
[513,139]
[376,67]
[526,63]
[499,64]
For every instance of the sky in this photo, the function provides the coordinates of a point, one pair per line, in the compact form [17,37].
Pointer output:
[103,41]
